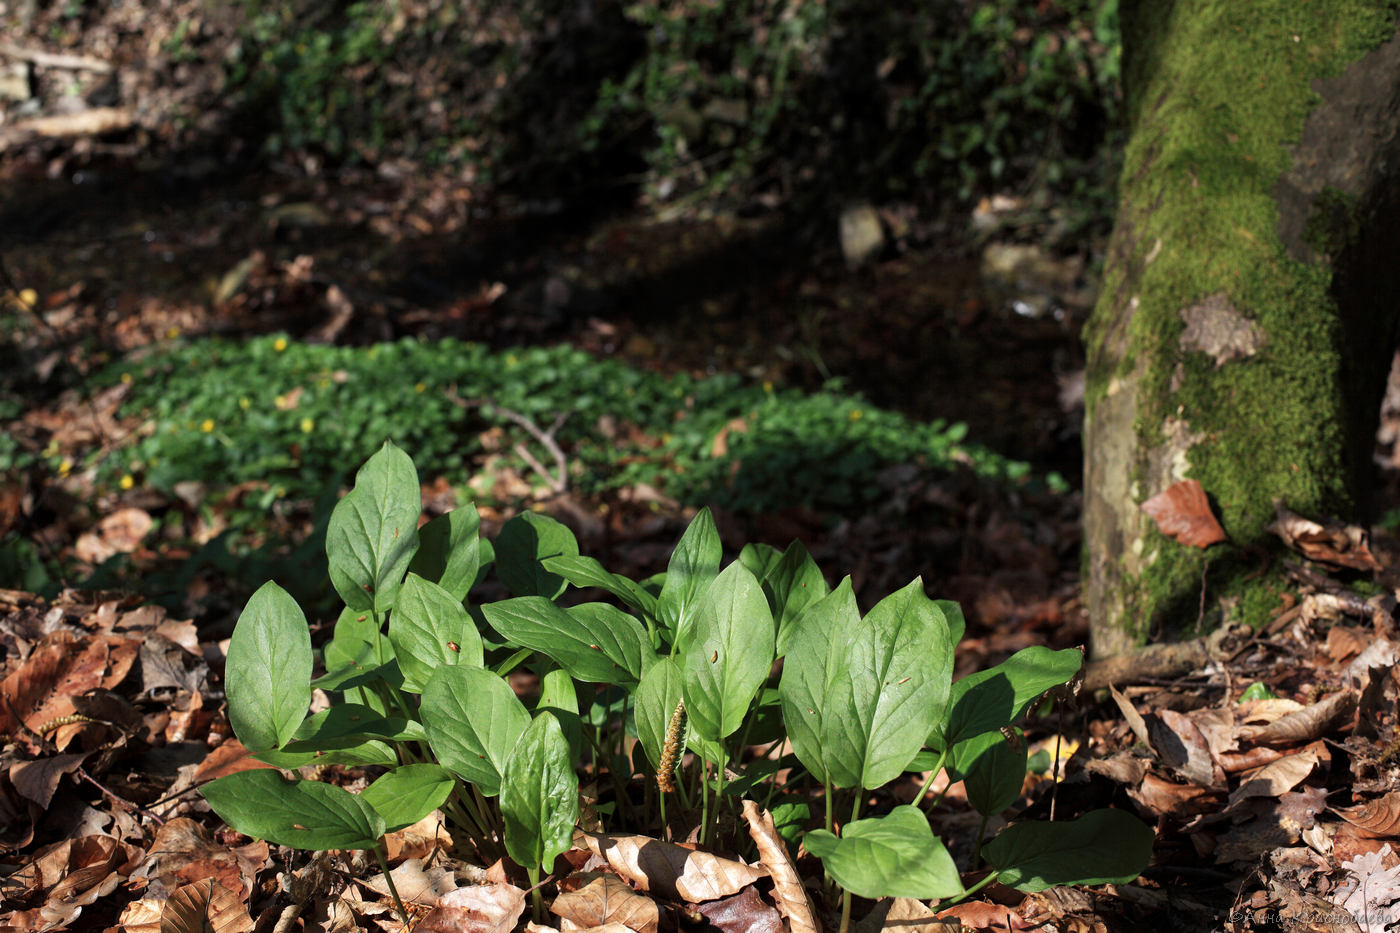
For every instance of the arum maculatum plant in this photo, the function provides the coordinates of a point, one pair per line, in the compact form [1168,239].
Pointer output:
[671,681]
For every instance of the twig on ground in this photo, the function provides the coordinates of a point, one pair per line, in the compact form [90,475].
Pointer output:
[559,481]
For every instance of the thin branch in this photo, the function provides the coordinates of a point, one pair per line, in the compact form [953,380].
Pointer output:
[53,60]
[559,482]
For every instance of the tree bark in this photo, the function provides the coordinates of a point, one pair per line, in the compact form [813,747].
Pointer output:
[1249,308]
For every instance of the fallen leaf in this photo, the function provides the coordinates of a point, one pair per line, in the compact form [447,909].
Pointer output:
[204,907]
[480,908]
[119,533]
[980,915]
[904,915]
[61,667]
[1184,749]
[670,870]
[1274,779]
[744,912]
[606,898]
[1379,817]
[1305,725]
[1183,512]
[788,890]
[1328,542]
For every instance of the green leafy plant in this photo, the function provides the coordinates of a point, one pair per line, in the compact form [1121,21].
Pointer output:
[680,662]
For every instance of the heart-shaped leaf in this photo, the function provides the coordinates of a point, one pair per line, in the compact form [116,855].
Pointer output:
[473,719]
[429,628]
[594,642]
[449,551]
[1101,847]
[895,855]
[693,566]
[525,541]
[408,793]
[986,701]
[587,571]
[727,650]
[373,531]
[301,814]
[268,674]
[539,796]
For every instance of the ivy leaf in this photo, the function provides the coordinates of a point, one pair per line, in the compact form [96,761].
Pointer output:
[1101,847]
[268,674]
[373,531]
[301,814]
[473,719]
[895,855]
[539,796]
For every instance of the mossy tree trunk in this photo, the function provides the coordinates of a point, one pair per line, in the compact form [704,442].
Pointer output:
[1250,300]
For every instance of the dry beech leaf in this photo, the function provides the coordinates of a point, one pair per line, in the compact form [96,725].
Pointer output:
[788,890]
[1305,725]
[204,907]
[744,912]
[980,915]
[141,916]
[1161,796]
[1123,767]
[904,915]
[1133,717]
[480,908]
[1302,807]
[1184,748]
[1379,817]
[606,898]
[1183,512]
[416,885]
[62,667]
[1327,542]
[182,853]
[670,870]
[1274,780]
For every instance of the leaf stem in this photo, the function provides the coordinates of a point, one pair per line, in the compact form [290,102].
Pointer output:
[389,880]
[536,898]
[845,911]
[988,879]
[929,783]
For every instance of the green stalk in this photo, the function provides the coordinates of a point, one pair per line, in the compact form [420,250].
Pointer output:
[845,911]
[536,899]
[830,815]
[389,880]
[977,849]
[927,784]
[704,802]
[991,876]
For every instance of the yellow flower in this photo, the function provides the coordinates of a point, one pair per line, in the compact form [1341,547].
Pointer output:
[307,425]
[65,466]
[510,359]
[244,403]
[28,297]
[171,333]
[856,414]
[128,481]
[768,386]
[279,344]
[420,388]
[126,378]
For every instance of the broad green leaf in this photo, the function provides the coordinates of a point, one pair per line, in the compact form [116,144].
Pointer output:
[795,583]
[587,571]
[727,651]
[896,855]
[760,559]
[300,814]
[693,565]
[988,700]
[539,795]
[408,793]
[449,551]
[559,697]
[818,668]
[358,653]
[655,700]
[523,543]
[901,672]
[875,688]
[594,642]
[1101,847]
[473,720]
[429,628]
[373,531]
[992,769]
[358,721]
[268,675]
[347,750]
[957,624]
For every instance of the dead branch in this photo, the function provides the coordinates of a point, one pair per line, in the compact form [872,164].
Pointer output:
[54,60]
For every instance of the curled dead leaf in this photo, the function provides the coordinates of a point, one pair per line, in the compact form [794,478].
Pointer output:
[1305,725]
[670,870]
[1328,542]
[1183,512]
[1379,817]
[788,890]
[204,907]
[606,898]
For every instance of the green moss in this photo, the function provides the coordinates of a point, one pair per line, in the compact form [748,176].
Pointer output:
[1209,144]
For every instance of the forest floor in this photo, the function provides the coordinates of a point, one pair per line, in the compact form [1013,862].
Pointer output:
[1273,809]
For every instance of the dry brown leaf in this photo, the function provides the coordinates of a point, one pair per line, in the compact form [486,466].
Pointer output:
[142,916]
[1123,767]
[1274,779]
[1183,512]
[1184,749]
[788,890]
[1307,724]
[1379,818]
[904,915]
[605,898]
[204,907]
[1328,542]
[119,533]
[670,870]
[228,758]
[182,853]
[1133,717]
[980,915]
[744,912]
[38,779]
[481,908]
[1181,800]
[418,885]
[419,840]
[61,667]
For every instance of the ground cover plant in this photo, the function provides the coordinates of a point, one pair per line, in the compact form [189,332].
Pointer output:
[663,693]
